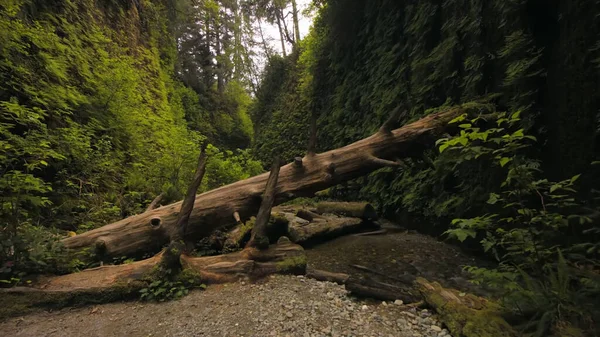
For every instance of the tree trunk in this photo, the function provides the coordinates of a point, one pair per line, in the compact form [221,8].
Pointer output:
[216,208]
[259,238]
[296,21]
[361,210]
[281,35]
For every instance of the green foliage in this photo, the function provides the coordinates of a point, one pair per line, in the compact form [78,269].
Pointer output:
[94,125]
[545,248]
[164,285]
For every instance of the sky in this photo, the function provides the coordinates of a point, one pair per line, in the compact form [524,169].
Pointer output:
[272,32]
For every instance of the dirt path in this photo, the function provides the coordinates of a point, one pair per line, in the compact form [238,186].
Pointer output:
[280,306]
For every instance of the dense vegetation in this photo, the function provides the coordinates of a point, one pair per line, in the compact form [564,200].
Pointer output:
[98,117]
[105,105]
[537,60]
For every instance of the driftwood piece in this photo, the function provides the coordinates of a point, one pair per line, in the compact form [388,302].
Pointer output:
[258,237]
[406,279]
[215,209]
[361,210]
[380,290]
[372,233]
[322,275]
[465,314]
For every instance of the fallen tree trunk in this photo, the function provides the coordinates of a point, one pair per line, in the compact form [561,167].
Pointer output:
[322,275]
[362,210]
[323,228]
[380,290]
[465,314]
[258,237]
[224,206]
[111,283]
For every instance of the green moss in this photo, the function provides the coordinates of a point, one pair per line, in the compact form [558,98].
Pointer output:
[484,319]
[12,304]
[294,264]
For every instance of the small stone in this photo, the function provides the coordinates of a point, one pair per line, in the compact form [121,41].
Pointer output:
[289,314]
[436,328]
[330,295]
[365,307]
[398,302]
[384,304]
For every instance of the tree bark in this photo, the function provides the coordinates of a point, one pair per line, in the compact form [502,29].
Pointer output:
[361,210]
[323,228]
[118,282]
[259,238]
[214,209]
[465,314]
[296,21]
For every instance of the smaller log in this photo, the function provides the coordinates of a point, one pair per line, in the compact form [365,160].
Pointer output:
[307,215]
[239,236]
[329,228]
[281,258]
[155,202]
[372,233]
[361,210]
[259,238]
[379,290]
[465,314]
[406,279]
[322,275]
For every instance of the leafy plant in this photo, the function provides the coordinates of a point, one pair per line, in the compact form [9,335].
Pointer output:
[532,222]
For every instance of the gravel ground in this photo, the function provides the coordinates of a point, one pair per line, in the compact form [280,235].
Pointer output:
[278,306]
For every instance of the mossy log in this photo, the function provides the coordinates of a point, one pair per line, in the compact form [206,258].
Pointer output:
[362,210]
[237,237]
[226,206]
[465,315]
[281,258]
[321,228]
[111,283]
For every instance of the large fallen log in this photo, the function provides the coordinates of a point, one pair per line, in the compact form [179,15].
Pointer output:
[465,314]
[116,282]
[226,205]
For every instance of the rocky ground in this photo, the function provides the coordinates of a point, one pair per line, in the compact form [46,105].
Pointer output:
[278,306]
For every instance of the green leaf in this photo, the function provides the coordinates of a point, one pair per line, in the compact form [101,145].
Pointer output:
[504,161]
[458,119]
[574,179]
[493,198]
[465,126]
